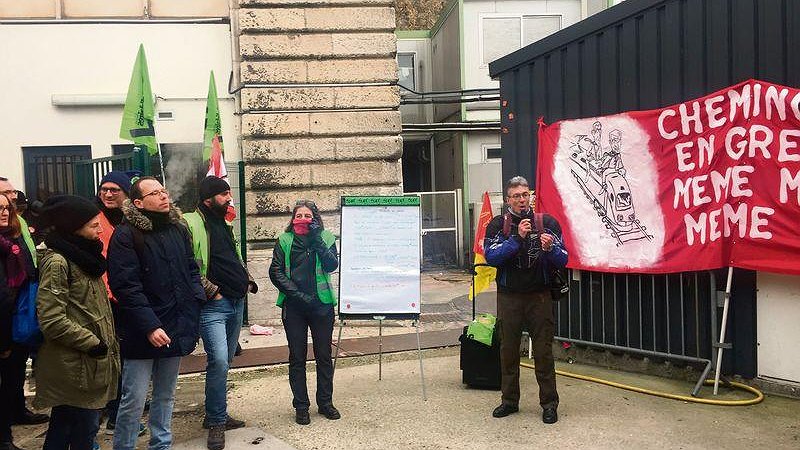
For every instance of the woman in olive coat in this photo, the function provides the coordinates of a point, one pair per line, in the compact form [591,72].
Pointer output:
[78,364]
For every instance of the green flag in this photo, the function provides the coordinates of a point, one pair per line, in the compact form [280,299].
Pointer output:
[139,112]
[213,126]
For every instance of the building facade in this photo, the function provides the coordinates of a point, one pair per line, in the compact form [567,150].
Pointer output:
[456,145]
[307,97]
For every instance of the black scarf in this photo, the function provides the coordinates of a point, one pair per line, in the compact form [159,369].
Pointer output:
[114,215]
[87,254]
[158,219]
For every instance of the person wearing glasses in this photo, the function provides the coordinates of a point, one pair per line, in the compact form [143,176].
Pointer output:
[111,194]
[154,277]
[226,282]
[303,259]
[13,368]
[522,255]
[15,271]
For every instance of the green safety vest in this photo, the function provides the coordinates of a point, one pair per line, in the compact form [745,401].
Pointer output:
[26,236]
[324,290]
[197,227]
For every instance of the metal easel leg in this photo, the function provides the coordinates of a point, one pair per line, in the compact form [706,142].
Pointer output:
[421,371]
[338,345]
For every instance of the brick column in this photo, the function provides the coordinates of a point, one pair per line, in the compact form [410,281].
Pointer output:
[327,123]
[315,133]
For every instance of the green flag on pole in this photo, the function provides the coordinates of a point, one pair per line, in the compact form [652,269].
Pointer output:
[213,126]
[139,112]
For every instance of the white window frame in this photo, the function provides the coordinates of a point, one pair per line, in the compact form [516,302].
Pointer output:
[485,154]
[416,68]
[519,16]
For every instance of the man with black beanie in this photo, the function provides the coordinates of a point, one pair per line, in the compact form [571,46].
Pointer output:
[78,363]
[226,282]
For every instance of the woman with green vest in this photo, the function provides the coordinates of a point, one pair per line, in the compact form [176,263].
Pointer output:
[304,257]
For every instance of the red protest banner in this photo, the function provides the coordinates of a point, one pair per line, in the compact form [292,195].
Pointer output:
[708,183]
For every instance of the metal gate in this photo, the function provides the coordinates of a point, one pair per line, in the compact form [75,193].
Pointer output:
[662,316]
[88,173]
[49,170]
[442,242]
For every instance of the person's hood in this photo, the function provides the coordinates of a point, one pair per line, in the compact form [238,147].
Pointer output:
[136,218]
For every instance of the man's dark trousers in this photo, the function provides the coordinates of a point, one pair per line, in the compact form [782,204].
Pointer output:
[534,311]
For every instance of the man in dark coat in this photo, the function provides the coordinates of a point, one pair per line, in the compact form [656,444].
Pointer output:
[155,279]
[525,257]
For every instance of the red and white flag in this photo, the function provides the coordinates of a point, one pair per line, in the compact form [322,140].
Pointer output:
[705,184]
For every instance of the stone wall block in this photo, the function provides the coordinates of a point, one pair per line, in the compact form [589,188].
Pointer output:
[352,71]
[270,99]
[364,44]
[286,46]
[355,123]
[274,71]
[367,97]
[322,149]
[350,19]
[283,3]
[273,19]
[356,173]
[277,175]
[287,124]
[383,147]
[285,150]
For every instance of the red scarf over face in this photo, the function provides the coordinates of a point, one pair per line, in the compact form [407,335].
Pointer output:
[300,226]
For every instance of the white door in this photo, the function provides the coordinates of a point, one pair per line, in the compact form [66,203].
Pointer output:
[778,326]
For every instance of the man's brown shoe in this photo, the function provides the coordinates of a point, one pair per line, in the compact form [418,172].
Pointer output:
[216,437]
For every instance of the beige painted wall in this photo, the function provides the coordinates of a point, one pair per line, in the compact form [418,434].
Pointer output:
[93,9]
[778,314]
[98,59]
[476,73]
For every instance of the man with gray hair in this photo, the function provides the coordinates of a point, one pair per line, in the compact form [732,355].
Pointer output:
[526,248]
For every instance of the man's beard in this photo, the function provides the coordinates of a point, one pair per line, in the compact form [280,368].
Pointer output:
[219,209]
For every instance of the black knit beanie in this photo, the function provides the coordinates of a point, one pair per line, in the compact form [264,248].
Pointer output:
[67,213]
[211,186]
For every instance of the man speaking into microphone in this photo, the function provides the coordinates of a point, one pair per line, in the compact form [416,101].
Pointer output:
[525,255]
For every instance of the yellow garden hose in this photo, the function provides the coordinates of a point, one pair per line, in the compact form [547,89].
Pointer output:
[759,396]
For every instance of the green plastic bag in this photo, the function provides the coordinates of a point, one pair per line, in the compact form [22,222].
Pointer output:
[482,329]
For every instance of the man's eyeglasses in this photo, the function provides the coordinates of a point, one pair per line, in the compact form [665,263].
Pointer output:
[158,192]
[110,190]
[8,193]
[521,195]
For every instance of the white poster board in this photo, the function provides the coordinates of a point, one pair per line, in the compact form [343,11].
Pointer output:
[379,270]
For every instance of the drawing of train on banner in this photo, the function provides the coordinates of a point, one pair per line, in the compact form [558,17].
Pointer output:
[600,173]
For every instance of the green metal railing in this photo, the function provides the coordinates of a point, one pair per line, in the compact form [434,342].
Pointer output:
[88,173]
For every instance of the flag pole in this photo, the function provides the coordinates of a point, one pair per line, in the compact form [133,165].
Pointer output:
[158,147]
